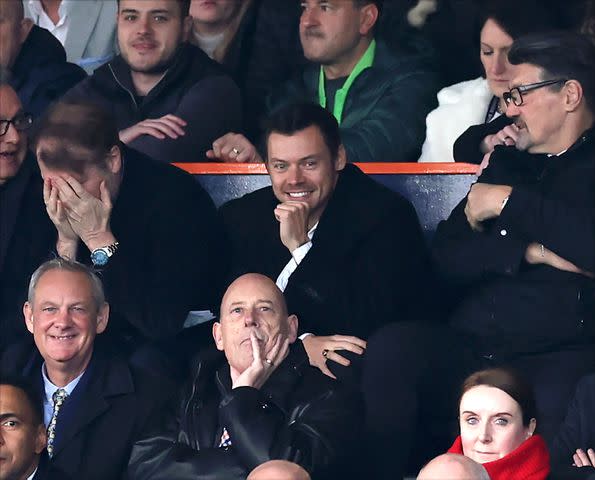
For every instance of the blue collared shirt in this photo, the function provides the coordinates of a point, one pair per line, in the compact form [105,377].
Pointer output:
[50,389]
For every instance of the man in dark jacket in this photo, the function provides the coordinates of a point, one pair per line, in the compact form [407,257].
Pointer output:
[348,253]
[170,100]
[148,226]
[25,231]
[257,404]
[22,433]
[380,98]
[519,250]
[40,72]
[94,404]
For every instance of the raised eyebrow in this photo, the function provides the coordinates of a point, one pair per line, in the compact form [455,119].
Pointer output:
[502,414]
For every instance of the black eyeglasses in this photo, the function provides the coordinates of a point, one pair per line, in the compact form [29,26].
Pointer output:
[21,121]
[515,95]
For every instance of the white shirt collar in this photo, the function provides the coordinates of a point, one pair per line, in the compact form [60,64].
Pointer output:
[63,10]
[50,388]
[30,477]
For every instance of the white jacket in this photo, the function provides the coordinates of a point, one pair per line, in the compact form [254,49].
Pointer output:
[459,106]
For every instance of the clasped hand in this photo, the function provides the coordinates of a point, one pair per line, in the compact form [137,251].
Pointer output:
[74,211]
[484,201]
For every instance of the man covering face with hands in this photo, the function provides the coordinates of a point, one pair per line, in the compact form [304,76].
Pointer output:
[134,219]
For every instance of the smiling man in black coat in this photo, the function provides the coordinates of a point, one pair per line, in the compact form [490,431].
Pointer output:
[348,253]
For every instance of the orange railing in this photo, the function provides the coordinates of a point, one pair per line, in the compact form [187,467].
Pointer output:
[377,168]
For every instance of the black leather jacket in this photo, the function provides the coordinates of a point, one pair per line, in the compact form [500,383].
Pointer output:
[299,415]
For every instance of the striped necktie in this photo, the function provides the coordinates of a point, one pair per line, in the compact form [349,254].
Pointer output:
[58,397]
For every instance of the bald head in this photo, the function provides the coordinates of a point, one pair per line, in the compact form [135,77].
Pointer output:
[251,282]
[279,470]
[451,466]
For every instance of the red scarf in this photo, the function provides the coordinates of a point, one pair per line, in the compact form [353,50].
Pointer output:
[530,461]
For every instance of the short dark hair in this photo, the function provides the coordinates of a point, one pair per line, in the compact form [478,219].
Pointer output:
[32,395]
[76,124]
[296,117]
[184,7]
[559,54]
[510,382]
[519,17]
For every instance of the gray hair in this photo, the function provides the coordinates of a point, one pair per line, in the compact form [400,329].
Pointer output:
[69,266]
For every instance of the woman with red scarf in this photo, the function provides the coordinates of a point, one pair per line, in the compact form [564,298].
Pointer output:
[497,421]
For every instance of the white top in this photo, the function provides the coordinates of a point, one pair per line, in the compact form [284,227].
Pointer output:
[58,30]
[209,44]
[296,258]
[459,106]
[50,389]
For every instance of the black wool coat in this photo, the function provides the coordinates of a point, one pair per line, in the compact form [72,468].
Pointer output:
[368,264]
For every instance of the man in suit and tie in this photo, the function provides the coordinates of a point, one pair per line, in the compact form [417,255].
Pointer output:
[22,434]
[94,404]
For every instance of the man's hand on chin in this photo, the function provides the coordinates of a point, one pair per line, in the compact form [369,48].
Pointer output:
[263,364]
[293,219]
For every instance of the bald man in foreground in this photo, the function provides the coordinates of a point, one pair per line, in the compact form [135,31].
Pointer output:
[256,402]
[451,466]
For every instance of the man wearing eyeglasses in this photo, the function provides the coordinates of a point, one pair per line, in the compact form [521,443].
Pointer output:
[25,230]
[518,254]
[524,238]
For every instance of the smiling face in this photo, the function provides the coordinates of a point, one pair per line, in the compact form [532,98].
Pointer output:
[494,47]
[21,438]
[252,303]
[541,117]
[150,32]
[302,169]
[64,320]
[13,144]
[491,424]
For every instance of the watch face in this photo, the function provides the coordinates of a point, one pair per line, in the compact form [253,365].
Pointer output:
[99,257]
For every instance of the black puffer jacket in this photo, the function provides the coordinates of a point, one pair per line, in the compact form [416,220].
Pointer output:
[299,415]
[194,88]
